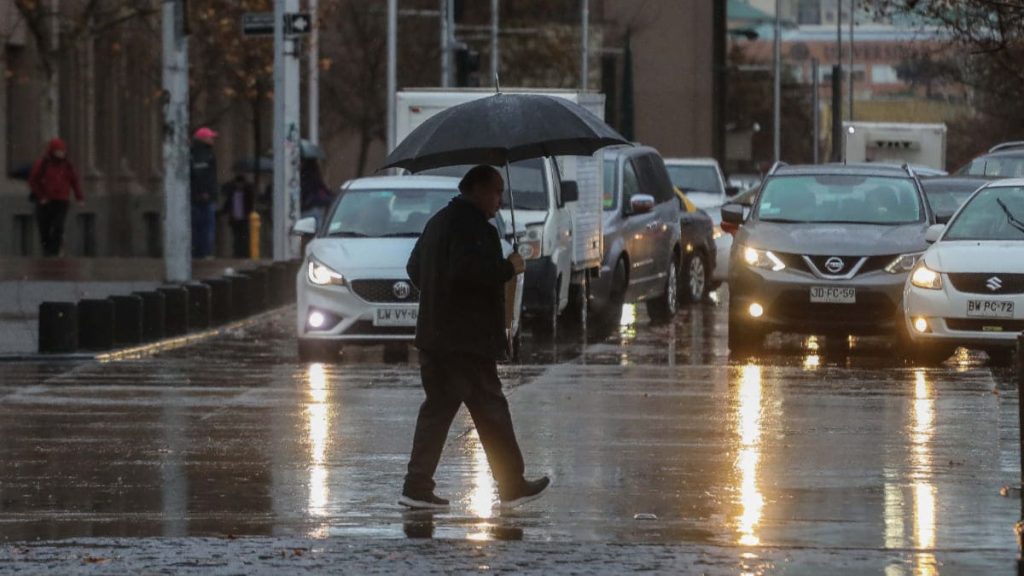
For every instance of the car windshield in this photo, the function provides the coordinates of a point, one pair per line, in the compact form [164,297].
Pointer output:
[840,198]
[528,182]
[995,167]
[994,214]
[381,213]
[945,201]
[695,179]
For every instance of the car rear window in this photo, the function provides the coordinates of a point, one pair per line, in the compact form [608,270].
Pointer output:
[996,213]
[840,198]
[529,185]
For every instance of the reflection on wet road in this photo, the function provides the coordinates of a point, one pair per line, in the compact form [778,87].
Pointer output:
[650,433]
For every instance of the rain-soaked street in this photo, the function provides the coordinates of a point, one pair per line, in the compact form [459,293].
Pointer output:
[665,456]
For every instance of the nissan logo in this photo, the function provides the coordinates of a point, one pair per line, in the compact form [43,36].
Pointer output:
[835,265]
[401,290]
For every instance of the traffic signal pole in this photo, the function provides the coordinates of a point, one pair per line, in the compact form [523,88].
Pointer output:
[287,140]
[177,213]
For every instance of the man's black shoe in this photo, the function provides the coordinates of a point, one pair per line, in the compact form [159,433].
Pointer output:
[528,491]
[425,501]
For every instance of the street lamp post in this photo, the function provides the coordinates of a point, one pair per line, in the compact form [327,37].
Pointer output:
[777,85]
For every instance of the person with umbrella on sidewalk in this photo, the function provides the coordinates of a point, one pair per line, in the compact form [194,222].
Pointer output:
[458,267]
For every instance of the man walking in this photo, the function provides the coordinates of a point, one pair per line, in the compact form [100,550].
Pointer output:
[203,181]
[52,180]
[458,267]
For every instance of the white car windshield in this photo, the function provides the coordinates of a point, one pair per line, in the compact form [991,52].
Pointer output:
[381,213]
[994,214]
[840,198]
[700,184]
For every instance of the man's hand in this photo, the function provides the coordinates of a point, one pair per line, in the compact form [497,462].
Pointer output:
[518,264]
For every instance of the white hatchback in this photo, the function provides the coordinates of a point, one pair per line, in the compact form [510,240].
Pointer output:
[352,286]
[968,288]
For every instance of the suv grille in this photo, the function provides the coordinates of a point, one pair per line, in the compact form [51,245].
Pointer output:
[984,325]
[984,283]
[383,291]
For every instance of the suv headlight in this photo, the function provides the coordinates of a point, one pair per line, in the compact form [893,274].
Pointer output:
[925,277]
[531,242]
[903,263]
[323,275]
[762,259]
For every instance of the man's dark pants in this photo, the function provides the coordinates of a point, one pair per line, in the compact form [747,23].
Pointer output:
[240,237]
[51,217]
[451,379]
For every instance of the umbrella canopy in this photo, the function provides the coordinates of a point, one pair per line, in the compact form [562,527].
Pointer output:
[501,129]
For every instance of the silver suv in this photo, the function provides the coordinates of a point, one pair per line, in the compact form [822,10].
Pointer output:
[642,251]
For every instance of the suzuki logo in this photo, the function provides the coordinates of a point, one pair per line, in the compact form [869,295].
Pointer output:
[835,265]
[994,284]
[401,290]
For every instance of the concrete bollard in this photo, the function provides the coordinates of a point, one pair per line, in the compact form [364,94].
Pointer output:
[58,328]
[241,295]
[199,305]
[280,283]
[96,324]
[127,319]
[220,300]
[153,306]
[175,310]
[259,289]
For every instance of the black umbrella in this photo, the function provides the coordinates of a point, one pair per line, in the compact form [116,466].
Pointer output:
[501,129]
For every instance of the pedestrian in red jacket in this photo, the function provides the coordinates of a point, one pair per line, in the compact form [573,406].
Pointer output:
[52,181]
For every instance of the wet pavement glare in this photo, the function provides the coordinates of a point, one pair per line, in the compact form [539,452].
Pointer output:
[651,434]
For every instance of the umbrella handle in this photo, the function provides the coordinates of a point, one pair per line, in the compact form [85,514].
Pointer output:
[512,208]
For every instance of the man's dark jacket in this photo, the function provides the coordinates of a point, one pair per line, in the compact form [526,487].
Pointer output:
[203,174]
[458,266]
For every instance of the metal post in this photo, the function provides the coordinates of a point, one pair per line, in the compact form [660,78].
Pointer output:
[853,17]
[777,85]
[286,134]
[313,133]
[1020,407]
[839,58]
[837,113]
[816,112]
[495,27]
[584,44]
[177,215]
[392,71]
[445,45]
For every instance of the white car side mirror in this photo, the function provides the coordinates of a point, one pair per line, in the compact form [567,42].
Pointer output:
[934,232]
[305,227]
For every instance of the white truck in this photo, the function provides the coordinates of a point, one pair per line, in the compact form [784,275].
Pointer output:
[922,146]
[559,206]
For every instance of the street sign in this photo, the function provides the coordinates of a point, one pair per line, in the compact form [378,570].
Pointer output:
[258,24]
[297,23]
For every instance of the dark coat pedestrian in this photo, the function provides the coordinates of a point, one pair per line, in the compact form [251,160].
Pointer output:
[53,180]
[458,266]
[238,204]
[203,186]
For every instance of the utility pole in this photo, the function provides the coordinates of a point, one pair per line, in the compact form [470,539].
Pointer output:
[313,133]
[495,61]
[816,112]
[177,215]
[584,44]
[853,18]
[287,142]
[392,71]
[837,89]
[445,45]
[777,85]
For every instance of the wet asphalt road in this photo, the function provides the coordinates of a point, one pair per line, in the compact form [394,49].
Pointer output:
[651,433]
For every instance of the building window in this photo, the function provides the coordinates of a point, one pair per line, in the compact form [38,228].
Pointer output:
[884,74]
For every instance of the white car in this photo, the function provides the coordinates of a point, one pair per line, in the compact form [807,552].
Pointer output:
[702,181]
[968,287]
[352,286]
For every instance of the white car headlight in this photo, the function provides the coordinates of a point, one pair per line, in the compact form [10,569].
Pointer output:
[716,232]
[323,275]
[762,259]
[925,277]
[531,242]
[903,263]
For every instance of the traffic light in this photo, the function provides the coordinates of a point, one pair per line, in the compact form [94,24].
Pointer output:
[467,67]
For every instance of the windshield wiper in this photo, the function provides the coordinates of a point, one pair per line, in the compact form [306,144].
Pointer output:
[784,221]
[1010,217]
[347,234]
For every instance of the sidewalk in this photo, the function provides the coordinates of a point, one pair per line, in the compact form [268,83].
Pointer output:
[27,282]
